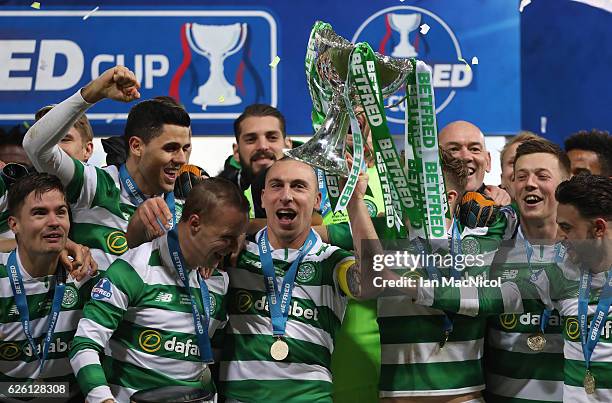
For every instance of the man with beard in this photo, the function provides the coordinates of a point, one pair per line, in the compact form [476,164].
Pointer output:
[103,199]
[260,140]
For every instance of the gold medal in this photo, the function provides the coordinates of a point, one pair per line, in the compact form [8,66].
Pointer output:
[206,376]
[589,383]
[536,341]
[279,350]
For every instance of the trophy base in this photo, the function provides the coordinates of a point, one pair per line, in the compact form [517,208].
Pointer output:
[404,51]
[217,97]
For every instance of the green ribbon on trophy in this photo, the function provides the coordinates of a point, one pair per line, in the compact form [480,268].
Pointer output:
[342,76]
[425,170]
[319,104]
[397,198]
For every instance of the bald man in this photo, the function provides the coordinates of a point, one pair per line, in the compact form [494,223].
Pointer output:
[465,141]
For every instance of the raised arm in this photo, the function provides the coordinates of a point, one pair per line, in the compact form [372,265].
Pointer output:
[41,141]
[359,277]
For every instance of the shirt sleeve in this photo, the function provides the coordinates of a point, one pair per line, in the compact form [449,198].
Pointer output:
[41,140]
[102,314]
[476,298]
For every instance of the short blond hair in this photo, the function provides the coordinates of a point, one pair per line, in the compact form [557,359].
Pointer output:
[521,137]
[82,124]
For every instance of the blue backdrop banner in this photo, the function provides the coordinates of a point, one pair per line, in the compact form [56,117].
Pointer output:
[216,60]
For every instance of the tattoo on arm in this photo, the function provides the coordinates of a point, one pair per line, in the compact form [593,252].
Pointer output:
[353,280]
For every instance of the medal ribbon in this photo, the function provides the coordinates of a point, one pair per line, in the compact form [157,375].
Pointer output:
[178,260]
[434,274]
[325,203]
[590,336]
[559,253]
[280,300]
[137,197]
[21,302]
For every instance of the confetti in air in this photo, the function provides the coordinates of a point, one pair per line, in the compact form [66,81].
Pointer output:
[425,29]
[466,63]
[35,5]
[274,61]
[524,3]
[221,98]
[89,14]
[543,122]
[474,60]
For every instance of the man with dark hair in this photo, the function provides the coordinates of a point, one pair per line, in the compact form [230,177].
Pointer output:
[585,213]
[260,137]
[260,140]
[152,312]
[78,142]
[41,306]
[103,199]
[11,146]
[590,152]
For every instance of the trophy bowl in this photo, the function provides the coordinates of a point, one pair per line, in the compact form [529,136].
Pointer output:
[326,149]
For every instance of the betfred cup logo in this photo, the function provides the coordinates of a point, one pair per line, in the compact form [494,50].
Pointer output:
[404,24]
[216,43]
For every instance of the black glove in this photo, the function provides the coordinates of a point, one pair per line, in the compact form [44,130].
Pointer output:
[188,177]
[477,210]
[12,172]
[115,149]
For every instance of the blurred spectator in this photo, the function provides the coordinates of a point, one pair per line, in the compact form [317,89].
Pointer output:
[507,155]
[78,142]
[590,152]
[11,146]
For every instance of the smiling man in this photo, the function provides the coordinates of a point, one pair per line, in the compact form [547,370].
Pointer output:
[146,311]
[278,343]
[158,136]
[465,141]
[260,139]
[34,343]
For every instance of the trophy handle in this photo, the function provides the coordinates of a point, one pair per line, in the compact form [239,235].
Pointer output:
[243,35]
[192,44]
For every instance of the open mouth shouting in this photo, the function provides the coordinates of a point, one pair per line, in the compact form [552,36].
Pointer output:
[286,216]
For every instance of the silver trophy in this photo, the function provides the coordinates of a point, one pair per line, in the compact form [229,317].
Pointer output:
[326,149]
[404,24]
[216,43]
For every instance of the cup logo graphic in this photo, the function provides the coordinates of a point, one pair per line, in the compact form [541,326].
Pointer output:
[404,24]
[216,43]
